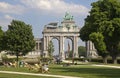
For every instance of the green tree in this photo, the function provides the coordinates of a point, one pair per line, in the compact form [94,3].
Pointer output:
[1,39]
[104,18]
[81,51]
[50,49]
[19,38]
[4,57]
[71,54]
[97,39]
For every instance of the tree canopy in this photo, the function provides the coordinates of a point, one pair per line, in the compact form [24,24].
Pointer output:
[1,39]
[104,18]
[19,38]
[50,48]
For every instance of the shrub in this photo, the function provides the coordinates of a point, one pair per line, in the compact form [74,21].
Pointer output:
[4,57]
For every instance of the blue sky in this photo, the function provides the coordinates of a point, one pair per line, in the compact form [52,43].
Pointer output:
[40,12]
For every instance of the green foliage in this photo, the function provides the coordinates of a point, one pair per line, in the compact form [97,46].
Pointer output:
[46,60]
[84,33]
[50,48]
[104,18]
[98,40]
[81,51]
[19,38]
[71,54]
[1,39]
[4,57]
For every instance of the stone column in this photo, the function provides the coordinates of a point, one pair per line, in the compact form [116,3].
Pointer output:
[61,45]
[44,40]
[38,48]
[75,47]
[48,41]
[91,51]
[87,49]
[45,53]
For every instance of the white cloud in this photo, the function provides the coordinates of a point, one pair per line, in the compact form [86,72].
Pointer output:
[5,21]
[8,17]
[56,6]
[8,8]
[4,24]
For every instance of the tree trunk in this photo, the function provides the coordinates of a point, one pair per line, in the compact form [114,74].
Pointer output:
[72,60]
[105,60]
[17,58]
[114,59]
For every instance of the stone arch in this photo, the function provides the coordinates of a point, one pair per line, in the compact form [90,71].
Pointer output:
[69,37]
[54,37]
[52,30]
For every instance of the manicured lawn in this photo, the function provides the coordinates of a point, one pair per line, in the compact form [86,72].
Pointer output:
[19,76]
[85,71]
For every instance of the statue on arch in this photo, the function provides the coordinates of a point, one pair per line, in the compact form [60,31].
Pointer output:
[68,16]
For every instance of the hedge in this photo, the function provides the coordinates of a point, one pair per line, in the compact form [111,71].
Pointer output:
[99,60]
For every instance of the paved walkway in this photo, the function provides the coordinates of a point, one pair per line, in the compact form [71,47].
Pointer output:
[47,75]
[106,66]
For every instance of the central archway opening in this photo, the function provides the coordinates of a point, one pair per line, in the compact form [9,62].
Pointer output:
[56,46]
[68,49]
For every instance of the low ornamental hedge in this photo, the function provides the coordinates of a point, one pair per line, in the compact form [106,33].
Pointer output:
[99,60]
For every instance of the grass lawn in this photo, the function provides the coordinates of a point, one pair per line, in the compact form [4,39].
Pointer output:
[85,71]
[19,76]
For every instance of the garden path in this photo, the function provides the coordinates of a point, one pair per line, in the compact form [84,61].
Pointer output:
[106,66]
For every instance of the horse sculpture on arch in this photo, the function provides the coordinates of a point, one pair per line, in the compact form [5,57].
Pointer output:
[68,16]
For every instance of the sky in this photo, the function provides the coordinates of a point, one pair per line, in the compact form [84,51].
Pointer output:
[41,12]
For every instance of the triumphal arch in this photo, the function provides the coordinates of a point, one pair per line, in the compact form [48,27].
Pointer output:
[67,29]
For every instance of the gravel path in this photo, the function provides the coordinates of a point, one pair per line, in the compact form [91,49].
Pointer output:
[107,66]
